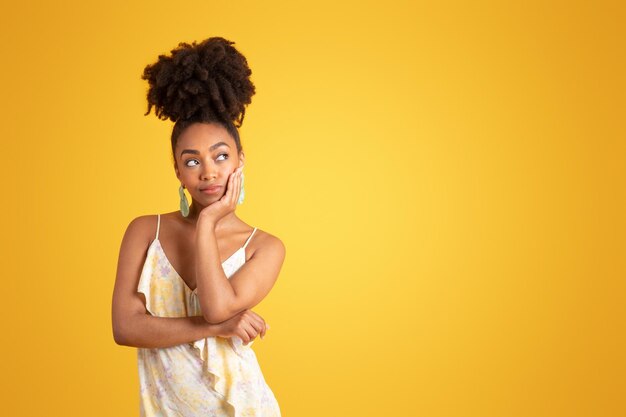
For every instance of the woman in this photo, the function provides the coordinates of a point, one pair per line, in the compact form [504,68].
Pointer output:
[188,312]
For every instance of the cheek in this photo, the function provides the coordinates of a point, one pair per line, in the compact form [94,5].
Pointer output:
[182,173]
[227,170]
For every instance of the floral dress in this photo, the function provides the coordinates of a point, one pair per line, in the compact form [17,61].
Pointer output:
[214,376]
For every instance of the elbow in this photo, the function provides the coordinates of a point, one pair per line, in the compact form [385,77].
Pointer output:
[207,313]
[211,317]
[215,316]
[215,313]
[129,328]
[207,316]
[121,336]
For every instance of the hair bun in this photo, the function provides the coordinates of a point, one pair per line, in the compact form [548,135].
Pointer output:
[201,81]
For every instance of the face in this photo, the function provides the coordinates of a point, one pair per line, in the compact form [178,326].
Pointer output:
[205,157]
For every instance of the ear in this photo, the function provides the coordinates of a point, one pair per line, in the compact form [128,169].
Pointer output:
[242,159]
[176,171]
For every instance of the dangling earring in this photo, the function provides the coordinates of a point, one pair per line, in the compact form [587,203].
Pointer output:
[184,204]
[241,193]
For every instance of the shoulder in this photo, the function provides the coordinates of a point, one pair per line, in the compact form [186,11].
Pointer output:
[268,243]
[142,228]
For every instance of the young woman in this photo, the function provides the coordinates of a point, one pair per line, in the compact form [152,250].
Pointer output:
[187,280]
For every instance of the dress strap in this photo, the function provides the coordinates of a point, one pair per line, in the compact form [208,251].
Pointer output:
[251,234]
[158,225]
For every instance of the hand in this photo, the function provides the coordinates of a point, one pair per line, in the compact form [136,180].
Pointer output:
[246,325]
[213,212]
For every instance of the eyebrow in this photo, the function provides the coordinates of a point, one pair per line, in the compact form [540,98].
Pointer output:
[214,146]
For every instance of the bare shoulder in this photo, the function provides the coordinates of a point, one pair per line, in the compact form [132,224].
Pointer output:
[133,250]
[138,236]
[253,281]
[267,243]
[142,228]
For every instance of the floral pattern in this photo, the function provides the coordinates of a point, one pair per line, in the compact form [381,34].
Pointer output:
[214,376]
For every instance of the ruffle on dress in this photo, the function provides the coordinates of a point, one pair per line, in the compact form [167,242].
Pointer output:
[229,368]
[226,360]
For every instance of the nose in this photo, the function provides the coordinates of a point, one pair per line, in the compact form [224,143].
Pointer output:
[208,171]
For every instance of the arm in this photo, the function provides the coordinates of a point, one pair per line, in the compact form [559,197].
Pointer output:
[214,290]
[132,324]
[146,331]
[222,298]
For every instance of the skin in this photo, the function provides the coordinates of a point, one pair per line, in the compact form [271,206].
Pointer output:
[196,246]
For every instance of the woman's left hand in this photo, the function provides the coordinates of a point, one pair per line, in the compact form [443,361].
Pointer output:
[213,212]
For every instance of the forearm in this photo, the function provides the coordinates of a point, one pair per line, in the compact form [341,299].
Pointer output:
[146,331]
[214,290]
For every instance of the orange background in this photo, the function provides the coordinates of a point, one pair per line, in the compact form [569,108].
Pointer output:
[447,177]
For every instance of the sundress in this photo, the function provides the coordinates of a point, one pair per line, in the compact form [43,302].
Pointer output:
[213,376]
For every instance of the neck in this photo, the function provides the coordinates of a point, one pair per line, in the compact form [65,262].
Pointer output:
[224,223]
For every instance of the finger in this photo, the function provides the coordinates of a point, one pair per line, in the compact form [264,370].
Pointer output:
[242,332]
[255,324]
[255,315]
[233,186]
[250,331]
[260,324]
[240,182]
[236,188]
[229,187]
[243,335]
[236,182]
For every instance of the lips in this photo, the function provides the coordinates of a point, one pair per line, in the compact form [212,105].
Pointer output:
[211,189]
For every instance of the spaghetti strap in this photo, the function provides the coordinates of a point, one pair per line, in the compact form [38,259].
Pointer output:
[158,225]
[251,234]
[213,376]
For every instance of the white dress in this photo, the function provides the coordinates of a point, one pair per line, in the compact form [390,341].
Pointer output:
[214,376]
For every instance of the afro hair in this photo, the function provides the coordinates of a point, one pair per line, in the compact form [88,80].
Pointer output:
[200,81]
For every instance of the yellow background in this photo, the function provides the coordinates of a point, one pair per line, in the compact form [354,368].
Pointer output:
[447,177]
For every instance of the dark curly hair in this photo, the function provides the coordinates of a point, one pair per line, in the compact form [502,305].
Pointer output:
[207,82]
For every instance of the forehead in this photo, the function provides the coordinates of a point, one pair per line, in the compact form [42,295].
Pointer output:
[201,136]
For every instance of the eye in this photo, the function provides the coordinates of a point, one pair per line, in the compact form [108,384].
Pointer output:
[187,162]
